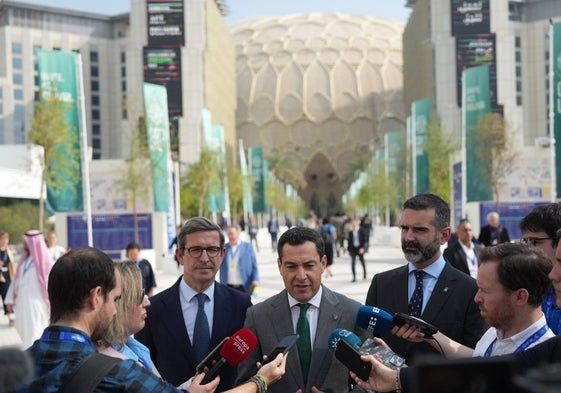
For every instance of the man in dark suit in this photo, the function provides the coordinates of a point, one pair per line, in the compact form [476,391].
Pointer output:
[493,233]
[301,262]
[357,242]
[464,253]
[170,330]
[427,286]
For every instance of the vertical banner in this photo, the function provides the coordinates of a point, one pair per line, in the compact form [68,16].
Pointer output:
[477,101]
[457,208]
[214,141]
[247,196]
[157,128]
[57,69]
[395,154]
[420,113]
[555,86]
[258,169]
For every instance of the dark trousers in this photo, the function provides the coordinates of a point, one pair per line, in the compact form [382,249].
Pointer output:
[353,259]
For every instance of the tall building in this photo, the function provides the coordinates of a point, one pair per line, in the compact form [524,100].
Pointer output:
[114,52]
[443,37]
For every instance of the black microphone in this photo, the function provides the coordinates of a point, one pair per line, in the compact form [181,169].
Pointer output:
[234,351]
[378,321]
[16,367]
[346,344]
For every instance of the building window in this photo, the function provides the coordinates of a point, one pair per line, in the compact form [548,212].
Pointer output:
[123,71]
[95,99]
[1,108]
[18,79]
[16,47]
[19,111]
[96,143]
[95,114]
[123,57]
[18,94]
[1,93]
[94,71]
[124,86]
[95,86]
[517,42]
[18,126]
[96,129]
[17,63]
[519,100]
[518,71]
[94,58]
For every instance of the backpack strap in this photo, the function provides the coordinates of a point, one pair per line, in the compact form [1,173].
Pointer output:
[89,373]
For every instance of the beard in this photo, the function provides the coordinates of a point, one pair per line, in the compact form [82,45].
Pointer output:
[421,254]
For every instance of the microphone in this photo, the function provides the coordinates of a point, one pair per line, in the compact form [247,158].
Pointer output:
[16,367]
[386,355]
[234,351]
[345,344]
[378,321]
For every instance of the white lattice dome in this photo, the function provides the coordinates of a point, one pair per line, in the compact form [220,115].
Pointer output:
[319,88]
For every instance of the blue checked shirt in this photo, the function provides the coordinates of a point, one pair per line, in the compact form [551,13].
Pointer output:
[57,358]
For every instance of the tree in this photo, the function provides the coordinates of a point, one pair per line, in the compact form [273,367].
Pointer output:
[202,178]
[134,181]
[494,148]
[439,147]
[61,164]
[285,170]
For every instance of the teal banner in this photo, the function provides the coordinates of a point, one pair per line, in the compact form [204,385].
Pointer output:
[57,69]
[157,128]
[214,141]
[477,101]
[247,195]
[556,91]
[258,172]
[420,113]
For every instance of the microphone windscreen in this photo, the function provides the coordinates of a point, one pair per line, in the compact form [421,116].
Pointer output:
[374,319]
[343,334]
[16,367]
[239,346]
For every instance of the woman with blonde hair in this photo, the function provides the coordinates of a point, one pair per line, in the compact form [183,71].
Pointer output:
[117,341]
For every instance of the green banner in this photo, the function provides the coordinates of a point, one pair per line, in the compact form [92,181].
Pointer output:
[157,127]
[420,113]
[247,196]
[58,69]
[556,91]
[258,171]
[477,101]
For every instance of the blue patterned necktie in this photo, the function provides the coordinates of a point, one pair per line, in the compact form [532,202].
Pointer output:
[304,343]
[416,302]
[201,333]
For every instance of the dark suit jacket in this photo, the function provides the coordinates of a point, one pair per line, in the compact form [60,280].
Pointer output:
[455,256]
[271,320]
[451,308]
[165,333]
[362,240]
[485,235]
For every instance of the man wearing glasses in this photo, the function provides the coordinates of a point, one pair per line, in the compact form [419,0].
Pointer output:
[539,229]
[191,317]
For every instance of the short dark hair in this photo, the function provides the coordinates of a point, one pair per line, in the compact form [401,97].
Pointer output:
[428,202]
[546,218]
[296,236]
[521,266]
[198,224]
[72,278]
[132,246]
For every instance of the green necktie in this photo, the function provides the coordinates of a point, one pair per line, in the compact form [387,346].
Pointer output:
[304,342]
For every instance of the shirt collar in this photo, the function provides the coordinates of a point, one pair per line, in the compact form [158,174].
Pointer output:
[188,292]
[314,301]
[434,269]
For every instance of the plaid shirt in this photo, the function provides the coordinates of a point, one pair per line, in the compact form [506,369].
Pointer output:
[56,358]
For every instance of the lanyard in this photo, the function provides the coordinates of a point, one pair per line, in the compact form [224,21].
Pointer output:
[529,341]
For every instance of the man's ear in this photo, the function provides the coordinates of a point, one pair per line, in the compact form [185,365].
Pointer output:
[95,300]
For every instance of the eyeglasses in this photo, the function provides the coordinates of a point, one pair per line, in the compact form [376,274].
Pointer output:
[534,241]
[196,252]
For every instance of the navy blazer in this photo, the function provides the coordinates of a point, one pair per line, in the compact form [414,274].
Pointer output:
[247,265]
[165,333]
[451,308]
[456,256]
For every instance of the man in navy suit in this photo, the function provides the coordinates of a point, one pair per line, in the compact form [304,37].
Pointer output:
[445,295]
[170,324]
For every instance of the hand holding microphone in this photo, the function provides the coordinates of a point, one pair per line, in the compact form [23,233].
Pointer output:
[234,351]
[378,321]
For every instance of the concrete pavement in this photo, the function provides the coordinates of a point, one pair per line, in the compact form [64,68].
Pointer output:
[379,258]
